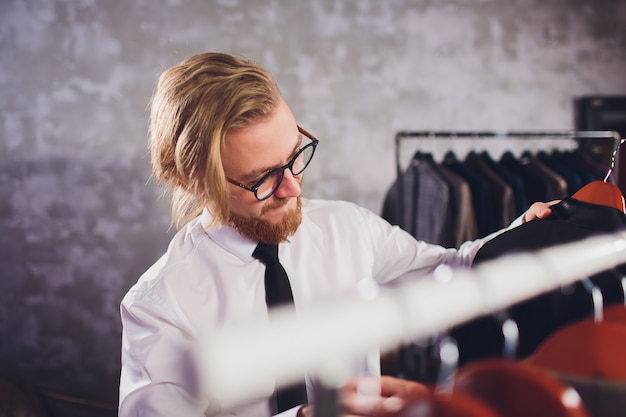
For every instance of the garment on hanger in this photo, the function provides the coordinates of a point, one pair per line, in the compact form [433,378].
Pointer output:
[516,182]
[540,182]
[501,192]
[595,169]
[461,221]
[534,185]
[423,200]
[557,186]
[481,194]
[540,177]
[537,318]
[579,164]
[417,199]
[572,178]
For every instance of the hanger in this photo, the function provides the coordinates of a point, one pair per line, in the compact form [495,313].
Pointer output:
[450,157]
[603,192]
[443,401]
[592,347]
[616,313]
[514,389]
[585,348]
[438,405]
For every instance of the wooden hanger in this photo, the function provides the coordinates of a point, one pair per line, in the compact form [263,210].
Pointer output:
[441,400]
[515,389]
[592,347]
[615,313]
[433,404]
[603,193]
[586,348]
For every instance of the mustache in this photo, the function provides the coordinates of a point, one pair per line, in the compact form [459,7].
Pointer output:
[274,205]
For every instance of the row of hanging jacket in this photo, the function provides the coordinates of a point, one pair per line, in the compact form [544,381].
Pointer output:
[571,219]
[568,357]
[454,200]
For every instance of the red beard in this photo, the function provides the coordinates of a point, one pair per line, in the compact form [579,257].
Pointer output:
[264,231]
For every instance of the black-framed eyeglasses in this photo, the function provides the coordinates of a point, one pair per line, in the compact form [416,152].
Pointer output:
[266,186]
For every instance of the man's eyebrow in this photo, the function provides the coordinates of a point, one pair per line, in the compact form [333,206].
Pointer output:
[259,172]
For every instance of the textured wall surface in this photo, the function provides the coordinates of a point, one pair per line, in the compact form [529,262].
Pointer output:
[79,219]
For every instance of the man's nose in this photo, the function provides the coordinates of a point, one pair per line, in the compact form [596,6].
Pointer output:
[290,185]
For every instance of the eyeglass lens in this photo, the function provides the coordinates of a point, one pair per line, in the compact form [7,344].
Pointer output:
[268,185]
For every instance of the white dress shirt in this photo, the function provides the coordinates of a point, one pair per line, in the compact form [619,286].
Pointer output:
[208,280]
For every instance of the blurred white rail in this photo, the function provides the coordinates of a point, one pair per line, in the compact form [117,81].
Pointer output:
[241,361]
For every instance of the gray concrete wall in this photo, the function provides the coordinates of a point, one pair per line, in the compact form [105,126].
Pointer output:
[79,220]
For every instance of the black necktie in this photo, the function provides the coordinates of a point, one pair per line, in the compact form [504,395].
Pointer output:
[278,291]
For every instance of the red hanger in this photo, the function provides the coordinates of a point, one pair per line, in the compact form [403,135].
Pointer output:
[587,348]
[432,404]
[615,313]
[514,389]
[603,193]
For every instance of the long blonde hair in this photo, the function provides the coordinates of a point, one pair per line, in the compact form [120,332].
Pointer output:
[194,105]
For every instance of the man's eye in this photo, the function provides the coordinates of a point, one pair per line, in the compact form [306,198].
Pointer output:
[255,181]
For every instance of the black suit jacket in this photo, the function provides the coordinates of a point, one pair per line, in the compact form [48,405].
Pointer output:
[571,220]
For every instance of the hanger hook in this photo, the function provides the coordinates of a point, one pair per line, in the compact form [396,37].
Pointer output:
[613,156]
[624,287]
[449,358]
[596,298]
[510,331]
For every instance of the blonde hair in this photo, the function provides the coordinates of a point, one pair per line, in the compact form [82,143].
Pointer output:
[194,105]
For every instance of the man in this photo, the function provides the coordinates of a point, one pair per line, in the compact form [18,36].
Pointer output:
[227,146]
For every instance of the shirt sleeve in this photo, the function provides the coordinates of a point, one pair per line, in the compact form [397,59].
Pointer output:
[159,364]
[163,367]
[398,255]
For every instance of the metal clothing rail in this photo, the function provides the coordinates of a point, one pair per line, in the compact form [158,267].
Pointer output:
[329,336]
[486,134]
[403,135]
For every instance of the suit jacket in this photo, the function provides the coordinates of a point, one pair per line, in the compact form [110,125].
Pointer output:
[421,207]
[461,220]
[481,194]
[501,192]
[515,181]
[571,220]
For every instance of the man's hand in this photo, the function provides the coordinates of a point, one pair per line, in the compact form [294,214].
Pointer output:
[377,397]
[373,397]
[539,210]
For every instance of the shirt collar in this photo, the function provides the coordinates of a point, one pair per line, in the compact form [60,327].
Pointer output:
[228,238]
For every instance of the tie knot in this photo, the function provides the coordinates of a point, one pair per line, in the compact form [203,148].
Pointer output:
[268,254]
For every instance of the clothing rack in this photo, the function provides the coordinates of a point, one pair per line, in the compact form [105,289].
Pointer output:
[486,134]
[323,340]
[395,206]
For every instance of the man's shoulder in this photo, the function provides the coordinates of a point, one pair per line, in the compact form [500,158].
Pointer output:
[178,256]
[323,211]
[312,205]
